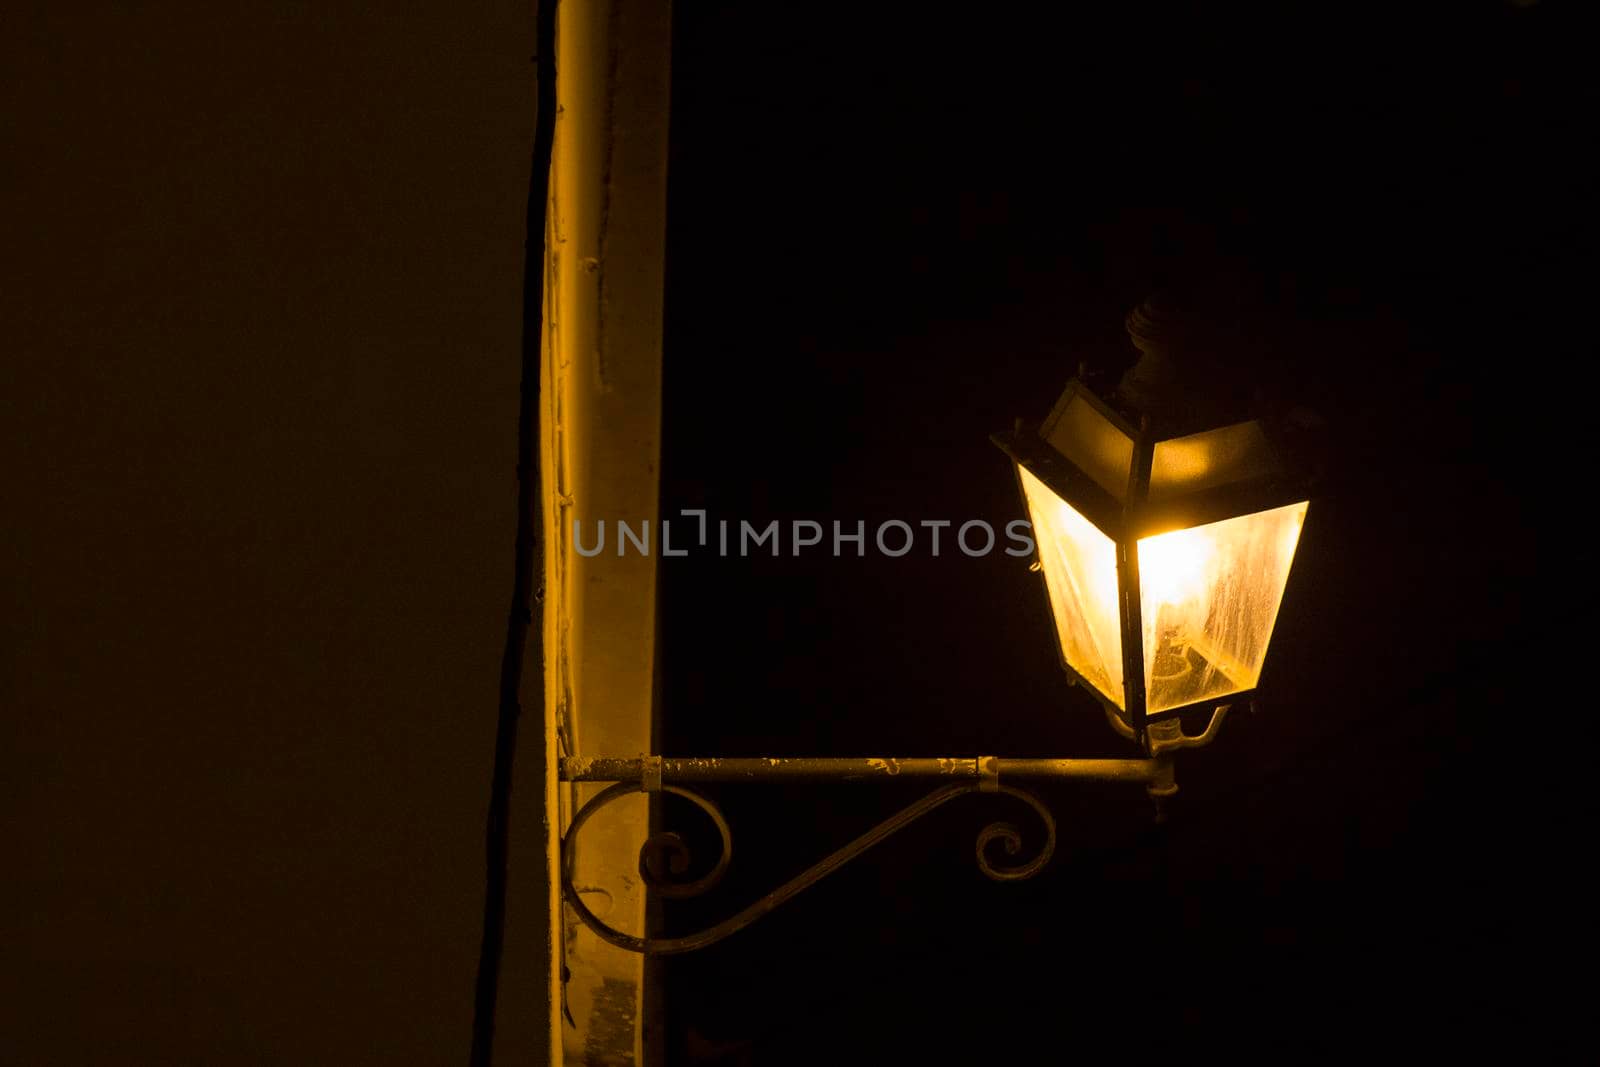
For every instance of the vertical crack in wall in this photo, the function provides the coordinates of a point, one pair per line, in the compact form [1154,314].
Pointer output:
[602,243]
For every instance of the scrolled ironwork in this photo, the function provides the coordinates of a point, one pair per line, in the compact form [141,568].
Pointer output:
[667,853]
[1010,839]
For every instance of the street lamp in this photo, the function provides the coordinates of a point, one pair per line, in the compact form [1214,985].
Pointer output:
[1164,524]
[1165,531]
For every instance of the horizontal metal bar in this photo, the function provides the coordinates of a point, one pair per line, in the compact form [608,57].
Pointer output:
[681,770]
[1104,770]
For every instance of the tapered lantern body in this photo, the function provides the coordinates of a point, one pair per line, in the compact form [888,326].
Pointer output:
[1165,555]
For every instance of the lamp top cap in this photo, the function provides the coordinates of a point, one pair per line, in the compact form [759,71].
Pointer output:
[1183,378]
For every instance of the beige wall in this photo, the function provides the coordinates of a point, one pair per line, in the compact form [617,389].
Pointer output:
[261,304]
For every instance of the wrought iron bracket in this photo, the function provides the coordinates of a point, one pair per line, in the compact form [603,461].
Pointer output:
[1168,736]
[664,855]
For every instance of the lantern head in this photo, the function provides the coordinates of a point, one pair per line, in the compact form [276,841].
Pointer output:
[1164,528]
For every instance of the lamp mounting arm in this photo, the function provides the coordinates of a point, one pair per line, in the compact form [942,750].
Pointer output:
[665,855]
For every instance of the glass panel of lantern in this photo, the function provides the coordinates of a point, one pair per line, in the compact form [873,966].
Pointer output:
[1210,521]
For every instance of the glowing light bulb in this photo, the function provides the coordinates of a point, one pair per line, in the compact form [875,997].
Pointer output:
[1176,568]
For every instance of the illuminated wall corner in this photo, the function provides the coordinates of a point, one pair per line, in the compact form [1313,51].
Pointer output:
[601,447]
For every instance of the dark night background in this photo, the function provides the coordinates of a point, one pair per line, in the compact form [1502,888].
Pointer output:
[889,239]
[260,307]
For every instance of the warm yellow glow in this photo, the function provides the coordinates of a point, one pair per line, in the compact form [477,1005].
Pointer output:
[1208,599]
[1176,567]
[1237,453]
[1080,571]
